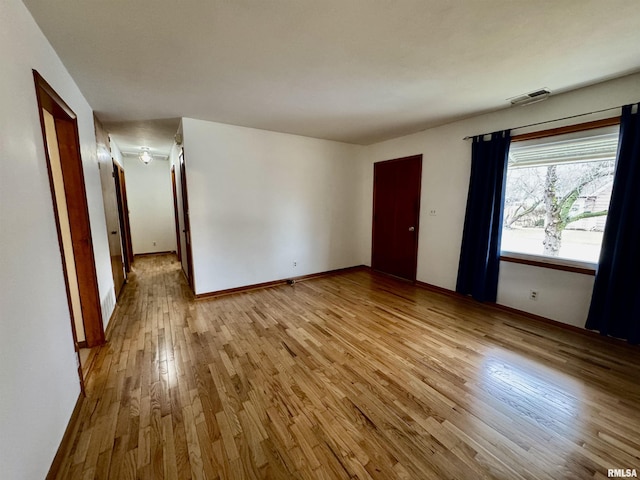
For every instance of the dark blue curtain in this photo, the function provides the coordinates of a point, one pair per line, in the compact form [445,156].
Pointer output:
[480,252]
[615,305]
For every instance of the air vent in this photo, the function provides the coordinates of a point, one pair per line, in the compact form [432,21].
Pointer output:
[531,97]
[108,305]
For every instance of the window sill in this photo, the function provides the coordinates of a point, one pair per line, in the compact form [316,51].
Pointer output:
[574,266]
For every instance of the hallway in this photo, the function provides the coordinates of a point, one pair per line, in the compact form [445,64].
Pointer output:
[349,376]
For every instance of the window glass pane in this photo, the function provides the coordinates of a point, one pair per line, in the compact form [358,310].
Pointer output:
[557,195]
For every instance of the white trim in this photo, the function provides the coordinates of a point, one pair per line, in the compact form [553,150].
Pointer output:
[585,146]
[550,260]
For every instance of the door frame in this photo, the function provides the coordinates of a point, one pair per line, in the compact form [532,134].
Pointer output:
[79,223]
[123,210]
[111,210]
[414,271]
[175,212]
[186,220]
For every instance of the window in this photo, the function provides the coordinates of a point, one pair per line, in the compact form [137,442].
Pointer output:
[557,196]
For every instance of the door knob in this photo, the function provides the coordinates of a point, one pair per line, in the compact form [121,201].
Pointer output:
[412,229]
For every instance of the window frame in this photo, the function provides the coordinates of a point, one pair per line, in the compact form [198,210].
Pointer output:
[575,266]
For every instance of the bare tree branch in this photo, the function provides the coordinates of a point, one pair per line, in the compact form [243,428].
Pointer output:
[518,215]
[583,215]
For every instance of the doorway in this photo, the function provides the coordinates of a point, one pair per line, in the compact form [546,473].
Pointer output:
[396,215]
[110,203]
[69,198]
[186,219]
[175,212]
[123,211]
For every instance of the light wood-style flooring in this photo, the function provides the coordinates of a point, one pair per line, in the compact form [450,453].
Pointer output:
[349,376]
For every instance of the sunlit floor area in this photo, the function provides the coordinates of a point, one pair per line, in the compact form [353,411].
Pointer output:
[348,376]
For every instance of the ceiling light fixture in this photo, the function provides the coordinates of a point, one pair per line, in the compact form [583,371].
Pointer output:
[145,157]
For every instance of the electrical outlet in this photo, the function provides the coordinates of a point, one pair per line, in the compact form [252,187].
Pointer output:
[432,212]
[154,244]
[295,264]
[533,295]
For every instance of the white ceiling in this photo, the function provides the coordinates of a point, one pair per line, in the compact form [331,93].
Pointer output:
[357,71]
[157,135]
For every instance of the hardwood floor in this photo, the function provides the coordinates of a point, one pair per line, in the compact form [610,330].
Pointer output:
[350,376]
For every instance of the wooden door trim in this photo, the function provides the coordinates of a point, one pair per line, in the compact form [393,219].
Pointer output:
[187,220]
[123,208]
[49,100]
[88,285]
[417,226]
[45,101]
[175,212]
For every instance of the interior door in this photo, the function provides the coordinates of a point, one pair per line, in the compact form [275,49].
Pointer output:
[187,223]
[71,212]
[396,214]
[123,208]
[110,203]
[175,212]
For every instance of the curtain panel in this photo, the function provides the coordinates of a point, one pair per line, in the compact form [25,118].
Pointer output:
[480,253]
[615,304]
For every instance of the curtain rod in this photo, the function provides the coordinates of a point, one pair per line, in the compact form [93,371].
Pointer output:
[550,121]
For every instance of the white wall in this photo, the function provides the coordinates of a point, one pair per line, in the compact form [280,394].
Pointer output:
[37,360]
[116,154]
[562,296]
[150,199]
[261,200]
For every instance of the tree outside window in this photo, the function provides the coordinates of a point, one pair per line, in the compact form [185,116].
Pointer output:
[557,195]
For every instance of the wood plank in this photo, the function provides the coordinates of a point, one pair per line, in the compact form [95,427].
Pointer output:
[351,376]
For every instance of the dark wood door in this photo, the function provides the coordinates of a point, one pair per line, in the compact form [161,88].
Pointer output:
[187,222]
[78,211]
[175,212]
[123,208]
[396,213]
[71,212]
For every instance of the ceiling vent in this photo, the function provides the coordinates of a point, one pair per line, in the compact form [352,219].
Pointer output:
[531,97]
